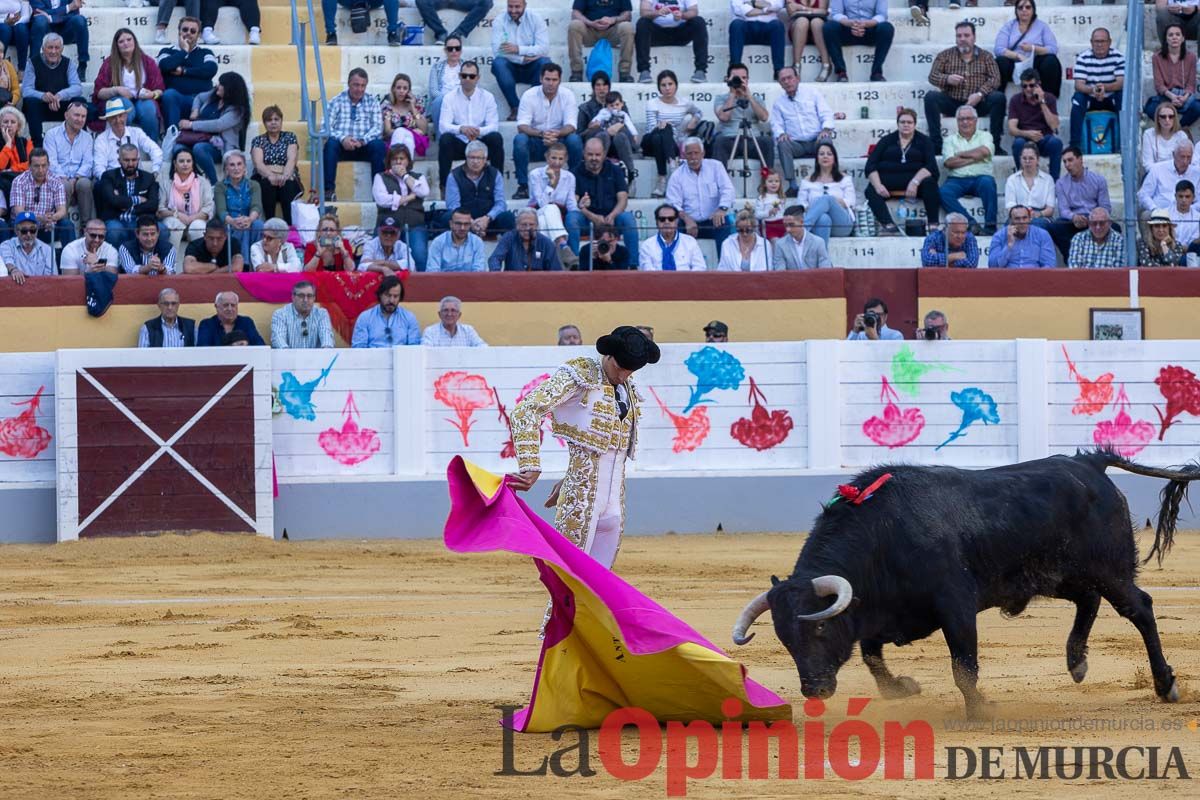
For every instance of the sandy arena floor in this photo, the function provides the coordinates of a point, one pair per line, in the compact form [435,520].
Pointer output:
[229,667]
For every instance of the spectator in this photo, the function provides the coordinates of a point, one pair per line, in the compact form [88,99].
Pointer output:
[772,200]
[386,324]
[214,252]
[187,69]
[468,116]
[129,73]
[1158,187]
[117,134]
[70,150]
[10,80]
[615,125]
[828,196]
[757,22]
[1032,121]
[212,331]
[1031,188]
[404,121]
[668,122]
[168,329]
[937,327]
[89,253]
[1099,246]
[45,195]
[702,192]
[1177,12]
[601,86]
[443,79]
[1024,43]
[964,75]
[669,250]
[1159,142]
[274,253]
[26,256]
[124,195]
[16,32]
[48,84]
[593,20]
[601,196]
[391,9]
[858,22]
[799,249]
[904,165]
[475,11]
[239,202]
[191,10]
[1021,245]
[520,46]
[15,147]
[805,17]
[747,251]
[400,193]
[329,251]
[1174,78]
[968,163]
[147,253]
[739,109]
[552,189]
[65,19]
[355,123]
[716,332]
[1099,79]
[1160,249]
[952,246]
[458,249]
[250,16]
[609,253]
[478,188]
[218,123]
[872,324]
[546,115]
[569,336]
[524,249]
[1185,215]
[275,154]
[1075,195]
[673,23]
[450,332]
[800,120]
[299,325]
[187,200]
[385,253]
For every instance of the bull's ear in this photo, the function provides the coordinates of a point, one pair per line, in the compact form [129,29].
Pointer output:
[774,580]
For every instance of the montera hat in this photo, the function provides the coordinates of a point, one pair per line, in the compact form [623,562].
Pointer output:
[629,347]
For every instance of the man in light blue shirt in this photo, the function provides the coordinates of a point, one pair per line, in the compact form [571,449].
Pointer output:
[70,149]
[800,119]
[457,250]
[700,188]
[875,312]
[520,44]
[387,324]
[858,22]
[1019,245]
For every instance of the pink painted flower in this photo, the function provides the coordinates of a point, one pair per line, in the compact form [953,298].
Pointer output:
[21,436]
[1124,436]
[897,427]
[352,444]
[464,394]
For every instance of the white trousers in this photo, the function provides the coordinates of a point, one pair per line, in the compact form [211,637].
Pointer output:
[603,537]
[550,222]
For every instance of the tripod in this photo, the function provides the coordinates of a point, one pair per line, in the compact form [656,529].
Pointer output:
[745,137]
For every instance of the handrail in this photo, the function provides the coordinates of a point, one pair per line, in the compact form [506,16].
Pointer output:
[317,132]
[1131,117]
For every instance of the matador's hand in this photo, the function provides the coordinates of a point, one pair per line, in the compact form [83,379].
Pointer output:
[552,500]
[523,481]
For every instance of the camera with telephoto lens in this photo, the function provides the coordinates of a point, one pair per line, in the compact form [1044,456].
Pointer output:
[929,333]
[603,248]
[871,320]
[735,82]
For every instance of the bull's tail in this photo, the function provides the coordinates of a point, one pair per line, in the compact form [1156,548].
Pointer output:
[1172,496]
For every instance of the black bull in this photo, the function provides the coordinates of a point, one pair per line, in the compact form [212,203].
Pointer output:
[934,546]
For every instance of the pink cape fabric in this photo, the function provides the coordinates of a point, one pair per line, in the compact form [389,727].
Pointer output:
[271,287]
[479,524]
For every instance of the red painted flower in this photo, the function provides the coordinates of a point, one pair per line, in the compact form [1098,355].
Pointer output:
[1093,395]
[21,436]
[897,427]
[690,431]
[465,394]
[763,429]
[1182,392]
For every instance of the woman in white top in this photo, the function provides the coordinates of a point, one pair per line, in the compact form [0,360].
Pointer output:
[552,194]
[828,196]
[1031,188]
[668,121]
[747,251]
[1159,142]
[273,252]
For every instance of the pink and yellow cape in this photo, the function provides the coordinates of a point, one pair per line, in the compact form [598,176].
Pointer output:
[607,645]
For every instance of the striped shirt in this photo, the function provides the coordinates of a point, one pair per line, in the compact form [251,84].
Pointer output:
[1090,69]
[291,331]
[38,261]
[172,335]
[674,114]
[40,199]
[362,120]
[132,263]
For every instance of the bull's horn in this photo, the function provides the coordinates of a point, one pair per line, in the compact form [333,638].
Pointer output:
[751,612]
[825,586]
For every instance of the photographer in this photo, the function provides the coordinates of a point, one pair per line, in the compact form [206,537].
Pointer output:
[610,253]
[937,327]
[736,109]
[872,323]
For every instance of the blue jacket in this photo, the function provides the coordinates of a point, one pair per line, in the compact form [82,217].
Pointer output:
[211,334]
[510,255]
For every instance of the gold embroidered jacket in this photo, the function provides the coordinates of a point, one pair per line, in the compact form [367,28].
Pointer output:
[583,405]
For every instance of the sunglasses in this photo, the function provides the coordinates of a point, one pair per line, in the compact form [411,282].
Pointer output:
[304,328]
[27,231]
[667,219]
[745,230]
[1166,116]
[95,235]
[466,76]
[304,295]
[453,48]
[189,30]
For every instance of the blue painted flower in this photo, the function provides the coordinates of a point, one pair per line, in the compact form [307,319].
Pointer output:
[296,397]
[714,369]
[977,406]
